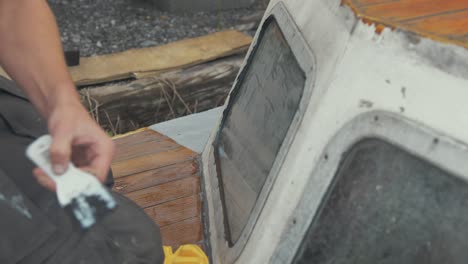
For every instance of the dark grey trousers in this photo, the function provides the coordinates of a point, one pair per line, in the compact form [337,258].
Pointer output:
[33,227]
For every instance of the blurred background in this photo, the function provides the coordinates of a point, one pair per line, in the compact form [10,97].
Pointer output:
[119,105]
[98,27]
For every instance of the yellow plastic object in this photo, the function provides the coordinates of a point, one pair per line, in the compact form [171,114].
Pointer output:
[186,254]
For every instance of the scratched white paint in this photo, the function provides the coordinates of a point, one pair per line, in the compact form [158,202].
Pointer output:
[357,71]
[16,202]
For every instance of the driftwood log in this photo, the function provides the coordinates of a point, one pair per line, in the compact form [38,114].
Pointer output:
[124,107]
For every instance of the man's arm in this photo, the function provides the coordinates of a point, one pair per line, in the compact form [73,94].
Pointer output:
[31,53]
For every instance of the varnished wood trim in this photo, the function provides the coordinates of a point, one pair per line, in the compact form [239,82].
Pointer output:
[166,192]
[157,176]
[175,211]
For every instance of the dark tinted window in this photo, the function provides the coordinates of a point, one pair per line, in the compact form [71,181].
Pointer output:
[261,110]
[388,206]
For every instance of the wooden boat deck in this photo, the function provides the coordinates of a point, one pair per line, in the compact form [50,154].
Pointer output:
[163,178]
[442,20]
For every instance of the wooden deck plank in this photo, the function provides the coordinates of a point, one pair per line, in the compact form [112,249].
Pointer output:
[450,25]
[146,148]
[362,3]
[440,20]
[153,161]
[414,9]
[137,137]
[185,232]
[175,211]
[124,142]
[155,177]
[166,192]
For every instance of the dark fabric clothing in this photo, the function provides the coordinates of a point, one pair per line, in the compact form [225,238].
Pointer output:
[128,236]
[34,228]
[20,117]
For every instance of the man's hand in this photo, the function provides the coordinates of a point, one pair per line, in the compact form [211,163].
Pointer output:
[77,138]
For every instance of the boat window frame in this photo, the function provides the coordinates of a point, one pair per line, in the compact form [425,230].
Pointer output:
[306,61]
[419,140]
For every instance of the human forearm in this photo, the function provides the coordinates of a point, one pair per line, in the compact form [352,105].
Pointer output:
[31,53]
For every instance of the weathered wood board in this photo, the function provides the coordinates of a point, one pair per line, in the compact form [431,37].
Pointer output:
[123,107]
[175,55]
[144,62]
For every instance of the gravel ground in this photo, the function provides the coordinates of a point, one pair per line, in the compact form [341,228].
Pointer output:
[106,26]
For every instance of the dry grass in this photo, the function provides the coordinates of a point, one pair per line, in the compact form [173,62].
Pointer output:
[115,125]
